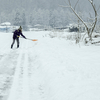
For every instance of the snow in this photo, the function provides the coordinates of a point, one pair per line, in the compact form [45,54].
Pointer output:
[6,24]
[48,69]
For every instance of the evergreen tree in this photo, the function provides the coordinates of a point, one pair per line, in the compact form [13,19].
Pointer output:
[17,20]
[23,21]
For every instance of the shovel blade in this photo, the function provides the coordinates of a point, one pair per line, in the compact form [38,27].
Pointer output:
[34,40]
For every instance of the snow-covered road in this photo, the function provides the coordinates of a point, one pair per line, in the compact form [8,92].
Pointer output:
[48,69]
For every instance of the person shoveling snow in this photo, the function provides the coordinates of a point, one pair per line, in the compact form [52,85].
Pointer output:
[16,36]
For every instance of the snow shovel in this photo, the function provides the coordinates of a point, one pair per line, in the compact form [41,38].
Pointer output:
[32,39]
[29,39]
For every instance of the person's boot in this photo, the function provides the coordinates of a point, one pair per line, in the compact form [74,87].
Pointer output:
[11,46]
[17,46]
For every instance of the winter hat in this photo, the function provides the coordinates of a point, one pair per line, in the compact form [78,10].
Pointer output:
[20,28]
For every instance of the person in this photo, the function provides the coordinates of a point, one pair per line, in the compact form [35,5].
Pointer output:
[16,35]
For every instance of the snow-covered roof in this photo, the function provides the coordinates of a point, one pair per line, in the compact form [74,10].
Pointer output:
[37,25]
[6,23]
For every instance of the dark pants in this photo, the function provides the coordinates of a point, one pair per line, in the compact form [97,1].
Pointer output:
[17,39]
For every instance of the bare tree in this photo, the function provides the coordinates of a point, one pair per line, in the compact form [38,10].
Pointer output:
[89,29]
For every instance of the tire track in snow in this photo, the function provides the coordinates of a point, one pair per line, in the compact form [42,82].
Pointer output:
[15,85]
[7,68]
[25,82]
[20,89]
[36,87]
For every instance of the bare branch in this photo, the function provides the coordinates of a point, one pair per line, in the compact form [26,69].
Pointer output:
[66,2]
[95,15]
[64,6]
[90,15]
[76,4]
[91,1]
[92,26]
[69,2]
[75,13]
[91,18]
[79,18]
[98,8]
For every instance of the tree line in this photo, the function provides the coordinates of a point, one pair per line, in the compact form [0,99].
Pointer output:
[44,17]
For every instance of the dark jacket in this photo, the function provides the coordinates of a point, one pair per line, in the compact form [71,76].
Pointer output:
[17,33]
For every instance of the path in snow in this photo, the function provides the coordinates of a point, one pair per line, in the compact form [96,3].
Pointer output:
[25,59]
[49,69]
[20,89]
[14,69]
